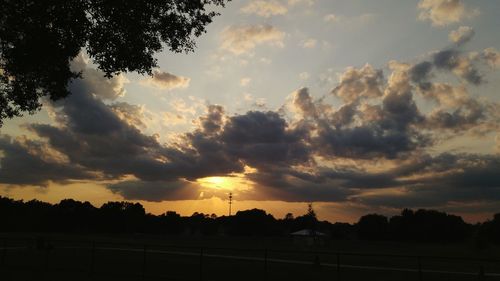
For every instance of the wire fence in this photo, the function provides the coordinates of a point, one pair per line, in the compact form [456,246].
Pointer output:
[56,259]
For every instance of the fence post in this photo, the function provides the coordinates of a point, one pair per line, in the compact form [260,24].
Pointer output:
[338,267]
[201,263]
[480,277]
[46,269]
[419,262]
[265,264]
[4,253]
[92,259]
[144,263]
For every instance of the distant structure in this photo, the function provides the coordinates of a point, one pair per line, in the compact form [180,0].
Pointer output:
[308,237]
[230,202]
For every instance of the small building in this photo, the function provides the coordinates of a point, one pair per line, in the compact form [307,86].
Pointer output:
[308,237]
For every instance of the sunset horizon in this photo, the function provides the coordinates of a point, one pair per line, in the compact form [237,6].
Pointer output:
[357,107]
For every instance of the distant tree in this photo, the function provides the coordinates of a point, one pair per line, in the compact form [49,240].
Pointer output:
[11,214]
[171,222]
[37,213]
[38,39]
[74,216]
[373,227]
[306,221]
[122,217]
[253,222]
[489,231]
[310,211]
[289,217]
[429,226]
[126,218]
[341,231]
[200,223]
[172,214]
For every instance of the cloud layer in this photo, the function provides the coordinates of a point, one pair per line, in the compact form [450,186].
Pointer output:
[167,81]
[243,39]
[265,8]
[462,35]
[371,140]
[445,12]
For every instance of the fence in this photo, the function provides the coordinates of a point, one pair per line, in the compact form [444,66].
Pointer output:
[55,259]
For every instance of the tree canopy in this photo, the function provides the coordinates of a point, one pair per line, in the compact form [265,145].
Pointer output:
[70,216]
[38,40]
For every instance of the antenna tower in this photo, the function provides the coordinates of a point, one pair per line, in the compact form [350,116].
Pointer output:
[230,202]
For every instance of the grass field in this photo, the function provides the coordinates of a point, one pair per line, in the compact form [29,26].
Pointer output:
[239,258]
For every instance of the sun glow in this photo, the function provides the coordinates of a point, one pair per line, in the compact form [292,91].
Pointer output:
[235,182]
[217,182]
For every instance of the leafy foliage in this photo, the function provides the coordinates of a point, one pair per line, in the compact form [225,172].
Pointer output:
[38,40]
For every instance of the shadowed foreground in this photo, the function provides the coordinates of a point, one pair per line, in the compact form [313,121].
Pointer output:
[114,259]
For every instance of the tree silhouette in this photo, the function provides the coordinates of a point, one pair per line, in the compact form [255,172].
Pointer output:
[310,211]
[490,230]
[373,227]
[71,216]
[38,39]
[252,222]
[428,225]
[306,221]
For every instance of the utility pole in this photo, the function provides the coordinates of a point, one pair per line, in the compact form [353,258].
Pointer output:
[230,202]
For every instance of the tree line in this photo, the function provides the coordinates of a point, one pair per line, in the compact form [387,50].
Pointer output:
[71,216]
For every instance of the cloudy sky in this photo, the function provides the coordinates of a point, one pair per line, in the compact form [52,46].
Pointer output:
[357,106]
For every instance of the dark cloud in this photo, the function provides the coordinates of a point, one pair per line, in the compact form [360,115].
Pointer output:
[445,179]
[454,60]
[399,111]
[92,135]
[446,59]
[458,119]
[344,115]
[362,83]
[27,162]
[255,127]
[293,186]
[420,74]
[384,130]
[462,66]
[156,190]
[213,121]
[363,142]
[304,103]
[263,138]
[457,110]
[359,179]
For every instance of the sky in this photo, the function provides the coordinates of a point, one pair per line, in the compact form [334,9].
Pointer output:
[356,106]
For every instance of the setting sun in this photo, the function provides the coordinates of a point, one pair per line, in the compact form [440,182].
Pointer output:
[235,182]
[217,182]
